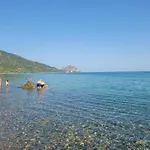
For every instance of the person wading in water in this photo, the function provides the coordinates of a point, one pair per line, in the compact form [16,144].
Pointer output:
[7,82]
[40,83]
[0,82]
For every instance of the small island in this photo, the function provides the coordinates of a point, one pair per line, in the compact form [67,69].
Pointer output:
[70,68]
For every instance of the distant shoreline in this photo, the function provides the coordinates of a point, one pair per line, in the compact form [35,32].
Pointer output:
[77,72]
[30,73]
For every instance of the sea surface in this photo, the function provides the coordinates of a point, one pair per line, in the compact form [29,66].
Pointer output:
[87,111]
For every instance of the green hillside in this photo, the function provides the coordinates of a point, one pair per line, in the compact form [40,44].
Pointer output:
[10,63]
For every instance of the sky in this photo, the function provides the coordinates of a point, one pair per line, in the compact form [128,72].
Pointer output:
[93,35]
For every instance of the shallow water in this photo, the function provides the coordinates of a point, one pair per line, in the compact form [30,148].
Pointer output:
[77,111]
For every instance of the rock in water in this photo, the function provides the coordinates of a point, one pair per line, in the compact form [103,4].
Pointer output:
[29,85]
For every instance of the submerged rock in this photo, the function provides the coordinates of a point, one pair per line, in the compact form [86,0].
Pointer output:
[29,85]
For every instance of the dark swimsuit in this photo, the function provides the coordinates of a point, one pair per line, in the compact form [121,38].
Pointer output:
[40,85]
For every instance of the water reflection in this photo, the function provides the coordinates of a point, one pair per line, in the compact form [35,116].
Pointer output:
[40,92]
[7,87]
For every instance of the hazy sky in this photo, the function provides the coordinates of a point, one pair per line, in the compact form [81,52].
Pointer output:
[93,35]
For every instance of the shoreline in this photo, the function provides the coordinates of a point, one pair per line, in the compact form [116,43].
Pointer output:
[77,72]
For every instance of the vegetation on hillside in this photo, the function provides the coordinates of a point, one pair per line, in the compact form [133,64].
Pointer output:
[10,63]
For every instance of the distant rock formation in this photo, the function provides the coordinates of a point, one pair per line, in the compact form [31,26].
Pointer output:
[70,69]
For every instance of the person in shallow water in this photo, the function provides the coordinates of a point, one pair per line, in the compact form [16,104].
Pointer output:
[7,82]
[40,83]
[0,81]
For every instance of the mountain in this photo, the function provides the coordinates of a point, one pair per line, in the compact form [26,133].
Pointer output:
[11,63]
[70,69]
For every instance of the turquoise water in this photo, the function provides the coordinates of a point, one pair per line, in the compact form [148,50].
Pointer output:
[89,111]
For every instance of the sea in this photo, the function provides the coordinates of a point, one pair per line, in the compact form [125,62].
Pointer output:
[78,111]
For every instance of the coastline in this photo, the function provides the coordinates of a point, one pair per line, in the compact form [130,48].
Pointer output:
[76,72]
